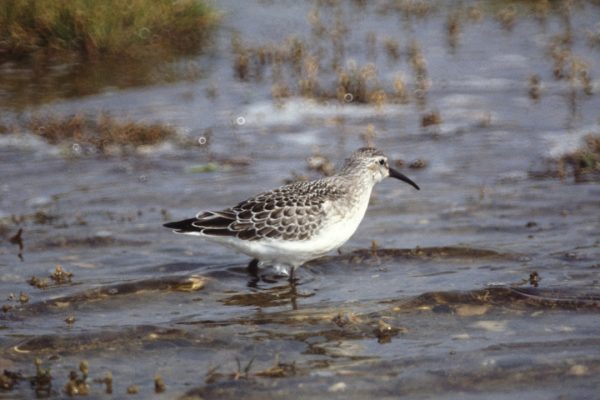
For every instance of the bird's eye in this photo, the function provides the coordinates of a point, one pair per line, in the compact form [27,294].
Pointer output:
[381,162]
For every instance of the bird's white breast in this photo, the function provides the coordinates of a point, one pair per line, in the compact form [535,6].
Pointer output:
[341,225]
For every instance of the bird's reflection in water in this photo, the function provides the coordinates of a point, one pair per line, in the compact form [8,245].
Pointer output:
[268,290]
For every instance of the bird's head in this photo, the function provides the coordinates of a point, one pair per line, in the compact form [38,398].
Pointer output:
[372,163]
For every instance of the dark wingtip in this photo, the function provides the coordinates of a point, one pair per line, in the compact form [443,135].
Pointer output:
[182,226]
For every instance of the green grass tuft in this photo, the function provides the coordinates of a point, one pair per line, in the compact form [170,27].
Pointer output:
[585,161]
[108,27]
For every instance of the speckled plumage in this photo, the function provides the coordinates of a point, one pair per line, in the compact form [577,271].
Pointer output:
[292,224]
[291,212]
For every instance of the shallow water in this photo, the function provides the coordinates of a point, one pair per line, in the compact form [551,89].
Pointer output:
[441,306]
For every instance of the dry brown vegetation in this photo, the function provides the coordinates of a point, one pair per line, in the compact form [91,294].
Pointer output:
[98,133]
[318,67]
[584,163]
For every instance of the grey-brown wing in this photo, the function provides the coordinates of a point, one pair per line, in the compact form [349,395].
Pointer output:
[292,212]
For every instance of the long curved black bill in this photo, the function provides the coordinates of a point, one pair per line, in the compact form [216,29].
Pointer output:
[402,177]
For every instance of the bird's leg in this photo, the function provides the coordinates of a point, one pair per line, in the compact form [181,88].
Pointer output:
[292,278]
[293,296]
[253,267]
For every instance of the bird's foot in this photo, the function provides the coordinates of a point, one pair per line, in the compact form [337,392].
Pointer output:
[280,270]
[253,267]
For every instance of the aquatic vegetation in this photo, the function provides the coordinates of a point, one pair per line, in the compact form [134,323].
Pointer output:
[415,9]
[17,239]
[159,384]
[23,297]
[453,28]
[133,389]
[81,47]
[203,168]
[77,385]
[101,28]
[43,217]
[534,87]
[583,163]
[352,82]
[321,164]
[385,331]
[507,16]
[278,370]
[593,37]
[534,279]
[40,283]
[107,380]
[8,379]
[102,134]
[42,381]
[568,66]
[392,49]
[418,164]
[387,320]
[60,276]
[218,164]
[432,118]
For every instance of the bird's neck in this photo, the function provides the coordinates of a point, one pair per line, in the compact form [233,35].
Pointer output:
[360,186]
[359,177]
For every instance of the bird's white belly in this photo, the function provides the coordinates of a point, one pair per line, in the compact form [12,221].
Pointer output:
[336,231]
